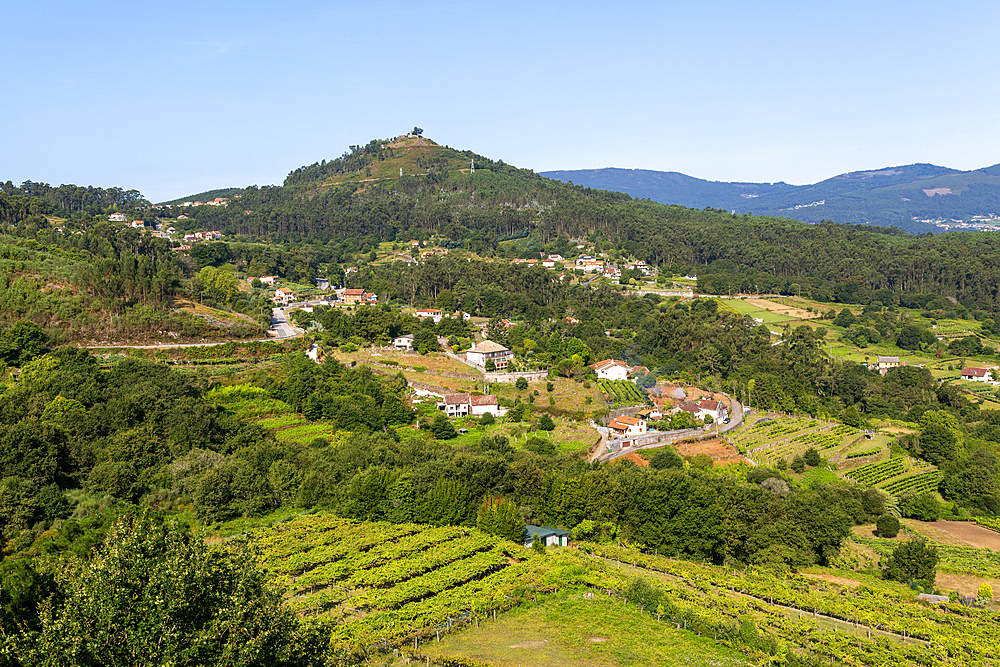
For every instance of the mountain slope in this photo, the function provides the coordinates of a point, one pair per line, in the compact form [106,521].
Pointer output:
[900,196]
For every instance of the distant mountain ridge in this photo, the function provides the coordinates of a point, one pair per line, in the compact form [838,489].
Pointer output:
[890,196]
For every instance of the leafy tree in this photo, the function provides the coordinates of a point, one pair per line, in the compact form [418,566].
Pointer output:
[442,428]
[812,457]
[157,595]
[447,503]
[541,446]
[924,507]
[545,423]
[985,592]
[22,342]
[487,419]
[521,383]
[798,464]
[909,338]
[666,457]
[888,526]
[914,560]
[498,516]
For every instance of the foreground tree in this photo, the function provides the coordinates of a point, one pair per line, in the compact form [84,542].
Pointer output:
[157,595]
[914,560]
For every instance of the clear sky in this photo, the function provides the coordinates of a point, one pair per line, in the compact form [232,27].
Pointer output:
[181,97]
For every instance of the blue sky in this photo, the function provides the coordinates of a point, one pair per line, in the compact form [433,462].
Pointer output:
[177,98]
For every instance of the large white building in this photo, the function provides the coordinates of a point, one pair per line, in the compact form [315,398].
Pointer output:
[611,369]
[490,351]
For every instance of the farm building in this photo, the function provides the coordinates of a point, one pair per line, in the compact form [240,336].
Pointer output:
[553,537]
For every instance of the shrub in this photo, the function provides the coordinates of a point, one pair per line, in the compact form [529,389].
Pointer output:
[348,348]
[888,526]
[812,457]
[487,419]
[666,457]
[914,560]
[985,593]
[521,384]
[799,464]
[545,423]
[420,369]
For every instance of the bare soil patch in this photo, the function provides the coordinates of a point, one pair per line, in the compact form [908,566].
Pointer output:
[965,584]
[958,533]
[841,581]
[538,643]
[721,452]
[789,311]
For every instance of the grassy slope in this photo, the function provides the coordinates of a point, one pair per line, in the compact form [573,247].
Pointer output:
[570,630]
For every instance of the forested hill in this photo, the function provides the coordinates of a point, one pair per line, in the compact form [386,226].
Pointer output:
[897,196]
[410,188]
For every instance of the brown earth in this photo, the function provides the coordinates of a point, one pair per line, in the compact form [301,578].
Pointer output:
[781,309]
[721,452]
[957,533]
[849,583]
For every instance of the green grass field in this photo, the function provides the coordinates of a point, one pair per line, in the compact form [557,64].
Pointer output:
[570,631]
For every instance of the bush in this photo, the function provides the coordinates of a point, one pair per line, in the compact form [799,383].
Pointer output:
[521,384]
[420,369]
[545,423]
[799,464]
[666,457]
[348,347]
[914,560]
[487,419]
[540,446]
[888,526]
[812,457]
[924,507]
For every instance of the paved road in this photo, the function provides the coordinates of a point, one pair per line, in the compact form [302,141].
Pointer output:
[668,437]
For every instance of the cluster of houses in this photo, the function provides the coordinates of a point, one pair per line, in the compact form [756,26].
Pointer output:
[202,236]
[218,201]
[627,426]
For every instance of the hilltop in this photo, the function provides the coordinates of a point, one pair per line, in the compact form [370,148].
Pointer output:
[917,198]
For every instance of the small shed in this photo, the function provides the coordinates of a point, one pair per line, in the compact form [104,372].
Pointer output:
[552,537]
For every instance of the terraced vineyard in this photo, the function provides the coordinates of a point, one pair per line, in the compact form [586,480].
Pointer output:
[622,392]
[875,624]
[769,441]
[915,484]
[990,522]
[875,473]
[382,582]
[898,476]
[253,404]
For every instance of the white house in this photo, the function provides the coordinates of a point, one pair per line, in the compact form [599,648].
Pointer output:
[650,414]
[268,280]
[706,408]
[626,426]
[404,342]
[117,217]
[456,405]
[432,313]
[489,351]
[611,369]
[283,296]
[480,405]
[977,374]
